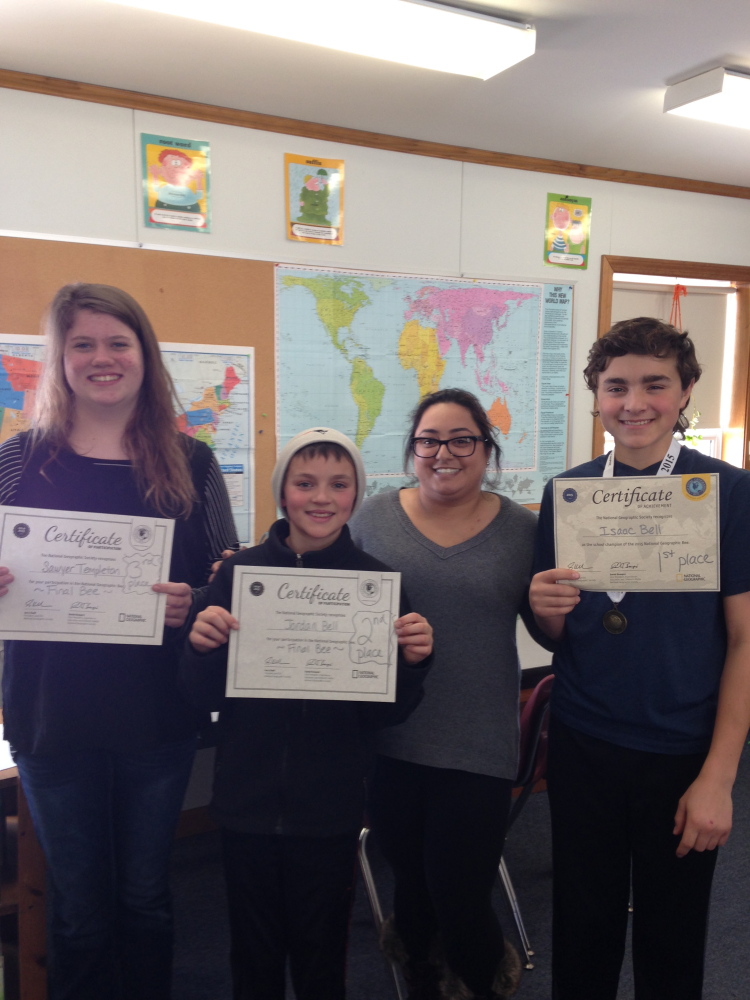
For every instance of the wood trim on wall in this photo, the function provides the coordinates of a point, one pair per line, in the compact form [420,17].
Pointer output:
[738,414]
[676,268]
[743,344]
[604,323]
[333,133]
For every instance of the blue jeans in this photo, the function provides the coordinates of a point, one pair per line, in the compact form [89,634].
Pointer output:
[106,821]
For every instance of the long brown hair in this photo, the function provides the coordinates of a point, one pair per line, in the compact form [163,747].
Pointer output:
[151,439]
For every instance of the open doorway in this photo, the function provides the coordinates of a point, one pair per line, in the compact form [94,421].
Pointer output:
[727,385]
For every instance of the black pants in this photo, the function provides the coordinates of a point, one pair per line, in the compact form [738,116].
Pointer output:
[442,831]
[612,819]
[289,898]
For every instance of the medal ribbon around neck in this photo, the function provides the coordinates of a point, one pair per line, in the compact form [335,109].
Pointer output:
[614,620]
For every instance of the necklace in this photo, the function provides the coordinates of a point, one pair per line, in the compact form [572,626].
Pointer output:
[614,620]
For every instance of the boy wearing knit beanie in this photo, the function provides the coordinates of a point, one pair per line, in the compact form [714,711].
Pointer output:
[288,790]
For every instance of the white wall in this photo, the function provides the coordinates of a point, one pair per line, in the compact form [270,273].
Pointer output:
[67,167]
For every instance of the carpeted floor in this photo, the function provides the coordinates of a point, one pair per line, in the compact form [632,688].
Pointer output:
[201,963]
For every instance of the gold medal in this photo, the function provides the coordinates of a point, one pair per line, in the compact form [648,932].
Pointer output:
[615,621]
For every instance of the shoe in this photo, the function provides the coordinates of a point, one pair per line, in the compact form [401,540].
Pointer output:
[422,980]
[504,985]
[422,977]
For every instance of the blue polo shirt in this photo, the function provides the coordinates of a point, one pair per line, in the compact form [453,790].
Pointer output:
[655,686]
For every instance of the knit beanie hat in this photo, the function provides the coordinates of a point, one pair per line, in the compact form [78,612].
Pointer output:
[317,435]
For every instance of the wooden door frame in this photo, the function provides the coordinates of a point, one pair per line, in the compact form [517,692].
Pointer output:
[736,273]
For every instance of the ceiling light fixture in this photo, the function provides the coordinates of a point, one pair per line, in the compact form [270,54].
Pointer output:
[415,32]
[721,96]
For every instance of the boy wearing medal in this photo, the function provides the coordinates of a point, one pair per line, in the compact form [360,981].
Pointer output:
[650,706]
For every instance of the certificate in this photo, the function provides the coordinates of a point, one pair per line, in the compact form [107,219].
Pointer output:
[308,633]
[84,577]
[655,533]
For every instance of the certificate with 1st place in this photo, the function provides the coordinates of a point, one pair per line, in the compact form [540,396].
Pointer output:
[313,633]
[83,577]
[632,533]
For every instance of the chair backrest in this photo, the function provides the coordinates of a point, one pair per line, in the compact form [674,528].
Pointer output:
[532,763]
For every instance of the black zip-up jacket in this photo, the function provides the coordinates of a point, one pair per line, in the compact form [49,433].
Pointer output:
[293,767]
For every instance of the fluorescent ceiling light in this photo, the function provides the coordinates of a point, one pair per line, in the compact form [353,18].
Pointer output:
[719,96]
[416,32]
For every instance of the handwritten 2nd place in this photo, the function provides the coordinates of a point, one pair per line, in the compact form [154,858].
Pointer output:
[313,634]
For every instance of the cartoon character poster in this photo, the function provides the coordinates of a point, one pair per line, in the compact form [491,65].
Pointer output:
[314,199]
[176,183]
[566,236]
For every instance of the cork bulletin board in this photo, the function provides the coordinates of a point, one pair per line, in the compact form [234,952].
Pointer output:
[189,298]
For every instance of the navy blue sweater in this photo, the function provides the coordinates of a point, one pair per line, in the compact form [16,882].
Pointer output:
[288,766]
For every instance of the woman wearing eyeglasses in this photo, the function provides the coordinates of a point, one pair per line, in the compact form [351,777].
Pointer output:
[442,790]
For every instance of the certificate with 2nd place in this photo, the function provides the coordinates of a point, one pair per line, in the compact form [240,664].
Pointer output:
[84,577]
[651,533]
[316,634]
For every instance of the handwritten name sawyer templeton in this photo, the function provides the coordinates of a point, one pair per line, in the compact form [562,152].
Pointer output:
[78,569]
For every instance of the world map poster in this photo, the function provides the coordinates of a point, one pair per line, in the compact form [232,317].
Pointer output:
[356,350]
[214,387]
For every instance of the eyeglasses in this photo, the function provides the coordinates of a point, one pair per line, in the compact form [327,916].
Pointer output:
[461,447]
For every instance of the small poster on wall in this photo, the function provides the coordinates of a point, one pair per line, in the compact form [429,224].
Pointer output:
[566,235]
[176,183]
[314,199]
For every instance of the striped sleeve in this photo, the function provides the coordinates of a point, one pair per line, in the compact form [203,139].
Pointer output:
[217,513]
[11,467]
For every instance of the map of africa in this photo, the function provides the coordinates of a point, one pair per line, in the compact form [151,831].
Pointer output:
[214,387]
[357,350]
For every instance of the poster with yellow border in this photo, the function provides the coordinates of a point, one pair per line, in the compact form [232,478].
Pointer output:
[314,199]
[176,183]
[566,235]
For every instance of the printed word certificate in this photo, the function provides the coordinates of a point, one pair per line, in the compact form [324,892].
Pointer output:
[654,533]
[84,577]
[318,634]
